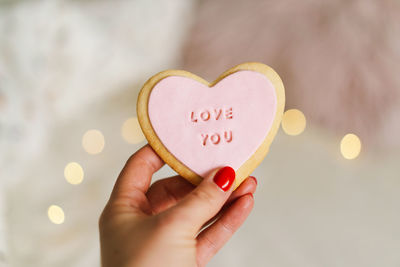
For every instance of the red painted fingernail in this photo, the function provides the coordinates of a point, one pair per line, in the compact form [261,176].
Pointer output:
[255,179]
[224,178]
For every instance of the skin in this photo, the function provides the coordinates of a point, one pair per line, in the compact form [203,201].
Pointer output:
[171,222]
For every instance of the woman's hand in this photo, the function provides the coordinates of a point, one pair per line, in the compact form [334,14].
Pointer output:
[159,225]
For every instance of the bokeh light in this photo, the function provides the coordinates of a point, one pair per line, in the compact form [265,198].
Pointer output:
[350,146]
[131,131]
[293,122]
[93,142]
[55,214]
[73,173]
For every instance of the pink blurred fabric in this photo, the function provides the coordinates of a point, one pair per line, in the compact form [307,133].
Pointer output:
[339,59]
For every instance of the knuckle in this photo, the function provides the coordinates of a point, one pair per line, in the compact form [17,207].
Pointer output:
[210,242]
[144,163]
[106,212]
[205,197]
[103,219]
[106,217]
[227,227]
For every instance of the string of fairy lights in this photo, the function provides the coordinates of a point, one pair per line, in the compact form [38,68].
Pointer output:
[93,142]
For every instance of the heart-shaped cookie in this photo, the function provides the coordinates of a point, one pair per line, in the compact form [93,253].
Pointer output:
[195,126]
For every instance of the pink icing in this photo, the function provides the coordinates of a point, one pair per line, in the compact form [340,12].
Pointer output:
[243,104]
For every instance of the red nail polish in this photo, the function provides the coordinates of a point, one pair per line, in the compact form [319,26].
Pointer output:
[224,178]
[255,179]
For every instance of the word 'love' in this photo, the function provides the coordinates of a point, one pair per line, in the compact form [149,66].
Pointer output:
[212,114]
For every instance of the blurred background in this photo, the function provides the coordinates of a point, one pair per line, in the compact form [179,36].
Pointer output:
[70,72]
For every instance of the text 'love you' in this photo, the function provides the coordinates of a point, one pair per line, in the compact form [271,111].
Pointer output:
[208,115]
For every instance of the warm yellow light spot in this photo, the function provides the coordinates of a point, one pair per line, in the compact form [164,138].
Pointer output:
[293,122]
[350,146]
[93,142]
[55,214]
[73,173]
[131,131]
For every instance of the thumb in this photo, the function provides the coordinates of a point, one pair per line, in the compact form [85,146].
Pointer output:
[205,201]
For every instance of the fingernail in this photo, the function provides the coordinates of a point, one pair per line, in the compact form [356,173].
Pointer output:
[255,179]
[224,178]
